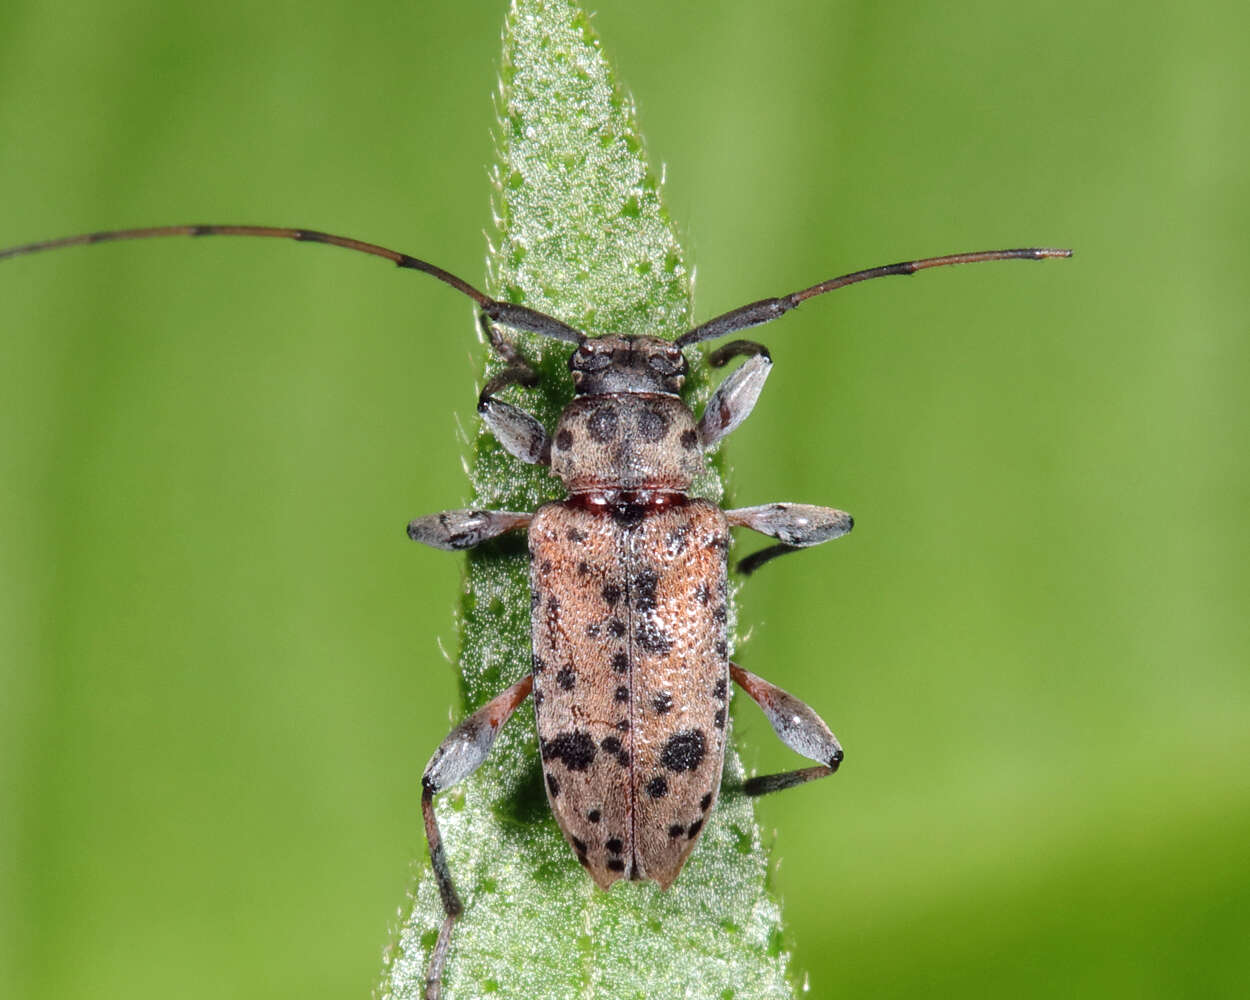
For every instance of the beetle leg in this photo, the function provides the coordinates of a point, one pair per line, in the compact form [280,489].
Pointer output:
[733,401]
[796,525]
[521,435]
[797,726]
[464,529]
[499,343]
[520,369]
[458,756]
[749,564]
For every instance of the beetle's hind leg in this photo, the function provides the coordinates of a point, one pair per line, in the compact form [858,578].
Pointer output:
[797,726]
[458,756]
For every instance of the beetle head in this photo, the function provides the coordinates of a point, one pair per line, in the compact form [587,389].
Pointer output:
[619,363]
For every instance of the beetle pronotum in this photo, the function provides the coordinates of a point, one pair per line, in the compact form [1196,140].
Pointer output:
[630,670]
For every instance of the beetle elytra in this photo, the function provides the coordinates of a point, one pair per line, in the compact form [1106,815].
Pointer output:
[630,672]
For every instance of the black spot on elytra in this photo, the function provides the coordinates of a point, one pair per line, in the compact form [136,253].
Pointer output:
[584,860]
[611,594]
[611,745]
[535,598]
[545,567]
[564,440]
[616,627]
[576,749]
[594,815]
[684,751]
[615,845]
[616,865]
[583,568]
[676,830]
[719,614]
[579,845]
[689,440]
[721,689]
[622,726]
[705,802]
[537,663]
[553,605]
[652,424]
[622,758]
[722,650]
[695,827]
[575,536]
[662,702]
[620,663]
[702,594]
[719,718]
[553,786]
[653,639]
[622,693]
[644,590]
[602,424]
[657,787]
[538,698]
[566,678]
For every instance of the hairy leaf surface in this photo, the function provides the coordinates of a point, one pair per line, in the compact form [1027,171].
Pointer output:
[582,234]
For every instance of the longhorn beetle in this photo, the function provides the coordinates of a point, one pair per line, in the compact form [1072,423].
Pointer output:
[628,578]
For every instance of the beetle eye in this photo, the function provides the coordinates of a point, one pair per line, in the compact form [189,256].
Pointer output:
[587,359]
[667,361]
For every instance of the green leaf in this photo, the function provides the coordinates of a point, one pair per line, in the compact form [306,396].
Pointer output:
[583,235]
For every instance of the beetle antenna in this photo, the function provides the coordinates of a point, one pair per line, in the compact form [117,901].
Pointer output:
[769,309]
[516,316]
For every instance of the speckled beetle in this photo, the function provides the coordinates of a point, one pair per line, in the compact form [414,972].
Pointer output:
[630,672]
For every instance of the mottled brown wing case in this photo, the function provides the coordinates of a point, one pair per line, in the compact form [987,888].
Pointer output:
[679,680]
[630,680]
[581,676]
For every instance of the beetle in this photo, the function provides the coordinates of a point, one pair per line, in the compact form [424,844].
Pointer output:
[630,670]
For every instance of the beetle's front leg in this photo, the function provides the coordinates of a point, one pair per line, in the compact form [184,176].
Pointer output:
[521,435]
[458,756]
[795,525]
[735,398]
[797,726]
[463,529]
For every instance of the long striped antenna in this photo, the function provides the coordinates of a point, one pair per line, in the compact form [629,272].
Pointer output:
[516,316]
[522,318]
[769,309]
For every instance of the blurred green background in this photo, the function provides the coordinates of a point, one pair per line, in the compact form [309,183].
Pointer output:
[221,659]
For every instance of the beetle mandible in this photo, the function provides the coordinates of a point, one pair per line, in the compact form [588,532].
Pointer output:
[628,578]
